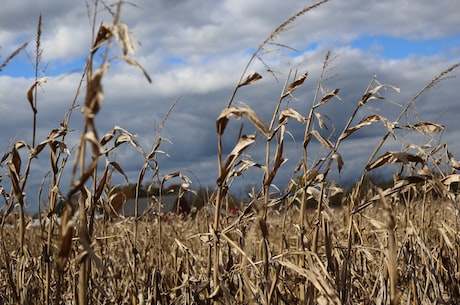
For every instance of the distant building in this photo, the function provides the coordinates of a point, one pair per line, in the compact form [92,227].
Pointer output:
[170,204]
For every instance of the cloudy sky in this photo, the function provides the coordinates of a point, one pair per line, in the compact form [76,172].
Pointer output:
[196,50]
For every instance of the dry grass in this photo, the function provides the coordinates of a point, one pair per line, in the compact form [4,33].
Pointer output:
[396,245]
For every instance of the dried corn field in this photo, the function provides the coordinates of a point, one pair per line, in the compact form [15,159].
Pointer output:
[314,244]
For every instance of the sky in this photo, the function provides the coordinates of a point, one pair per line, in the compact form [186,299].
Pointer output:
[195,52]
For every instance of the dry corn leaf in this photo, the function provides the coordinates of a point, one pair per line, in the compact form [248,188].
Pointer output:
[339,159]
[133,62]
[107,137]
[370,95]
[90,136]
[117,166]
[14,178]
[103,35]
[324,142]
[121,33]
[238,113]
[395,157]
[286,115]
[368,121]
[55,133]
[279,160]
[295,85]
[243,165]
[321,123]
[251,79]
[424,127]
[15,157]
[455,164]
[242,144]
[400,186]
[448,180]
[30,92]
[318,280]
[95,92]
[328,97]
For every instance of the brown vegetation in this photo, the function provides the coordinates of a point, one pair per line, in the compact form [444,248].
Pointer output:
[396,245]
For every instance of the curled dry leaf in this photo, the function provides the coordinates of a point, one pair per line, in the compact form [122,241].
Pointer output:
[324,142]
[454,163]
[368,121]
[243,165]
[237,112]
[107,137]
[15,157]
[95,92]
[30,92]
[117,166]
[103,35]
[370,95]
[321,123]
[242,144]
[295,85]
[121,33]
[54,134]
[131,61]
[424,127]
[448,180]
[339,159]
[279,160]
[15,178]
[395,157]
[175,175]
[328,97]
[286,115]
[251,79]
[400,186]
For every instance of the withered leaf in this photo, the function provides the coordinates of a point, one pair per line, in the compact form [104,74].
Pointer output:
[295,85]
[251,79]
[339,159]
[424,127]
[328,97]
[238,113]
[323,141]
[242,144]
[395,157]
[133,62]
[368,121]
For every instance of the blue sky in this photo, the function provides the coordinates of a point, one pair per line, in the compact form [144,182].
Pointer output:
[386,47]
[199,58]
[399,47]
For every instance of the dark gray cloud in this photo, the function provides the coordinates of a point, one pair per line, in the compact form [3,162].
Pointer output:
[196,50]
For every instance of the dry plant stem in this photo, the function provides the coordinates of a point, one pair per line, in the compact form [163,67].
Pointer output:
[281,28]
[13,55]
[9,274]
[38,55]
[391,250]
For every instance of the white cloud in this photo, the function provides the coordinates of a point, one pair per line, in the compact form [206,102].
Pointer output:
[66,43]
